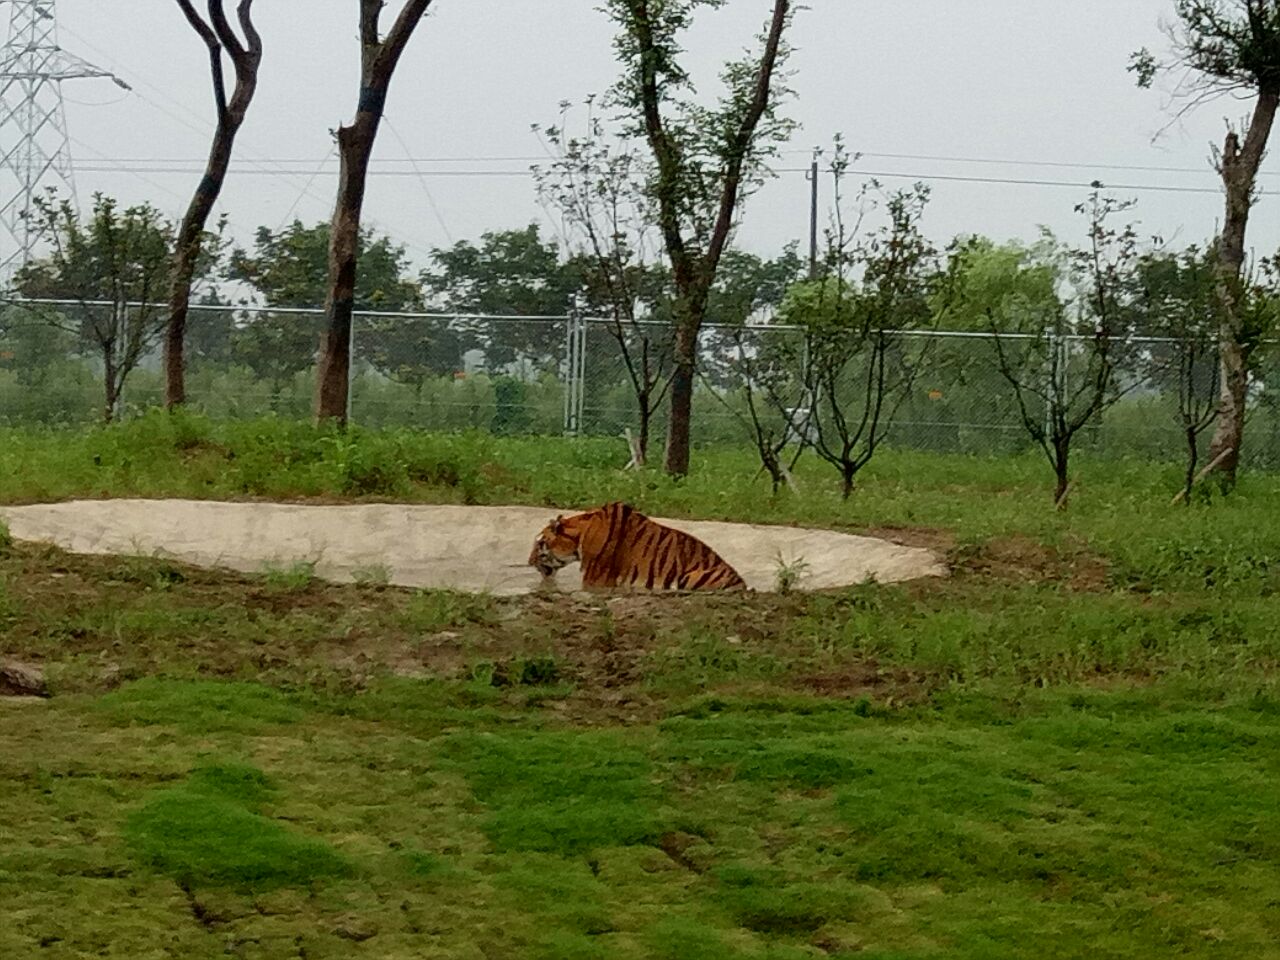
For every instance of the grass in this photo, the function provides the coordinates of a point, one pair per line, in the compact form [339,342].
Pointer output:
[210,832]
[1068,747]
[289,577]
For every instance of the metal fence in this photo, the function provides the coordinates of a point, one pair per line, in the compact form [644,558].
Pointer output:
[553,376]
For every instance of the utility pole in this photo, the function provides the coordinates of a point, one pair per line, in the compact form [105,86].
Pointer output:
[813,214]
[34,149]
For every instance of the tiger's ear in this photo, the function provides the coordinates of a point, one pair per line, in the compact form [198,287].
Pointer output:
[558,524]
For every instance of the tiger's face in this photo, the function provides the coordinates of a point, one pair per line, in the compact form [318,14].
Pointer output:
[553,548]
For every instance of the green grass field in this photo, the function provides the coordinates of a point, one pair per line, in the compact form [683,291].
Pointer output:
[1070,747]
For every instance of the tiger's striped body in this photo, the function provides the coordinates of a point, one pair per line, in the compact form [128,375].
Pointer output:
[621,547]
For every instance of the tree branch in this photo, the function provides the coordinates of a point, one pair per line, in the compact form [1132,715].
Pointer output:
[746,130]
[211,41]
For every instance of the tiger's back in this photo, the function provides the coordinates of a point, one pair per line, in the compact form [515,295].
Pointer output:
[620,547]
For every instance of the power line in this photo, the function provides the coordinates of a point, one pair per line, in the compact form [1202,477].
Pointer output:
[199,124]
[1063,164]
[431,200]
[928,157]
[886,174]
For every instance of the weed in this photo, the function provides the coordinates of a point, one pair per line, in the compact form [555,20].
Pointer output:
[700,657]
[373,575]
[787,575]
[6,538]
[429,611]
[536,671]
[150,571]
[289,578]
[8,608]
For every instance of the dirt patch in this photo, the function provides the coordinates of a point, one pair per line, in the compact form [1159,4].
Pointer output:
[868,679]
[1017,558]
[470,548]
[928,538]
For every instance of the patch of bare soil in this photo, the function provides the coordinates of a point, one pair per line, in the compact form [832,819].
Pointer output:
[1021,559]
[886,685]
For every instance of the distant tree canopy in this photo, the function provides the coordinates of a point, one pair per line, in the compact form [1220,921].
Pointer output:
[511,272]
[1003,286]
[288,268]
[508,273]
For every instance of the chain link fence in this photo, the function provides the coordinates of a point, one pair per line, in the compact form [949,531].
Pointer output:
[542,376]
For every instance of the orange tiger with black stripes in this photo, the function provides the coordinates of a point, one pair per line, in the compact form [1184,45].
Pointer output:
[620,547]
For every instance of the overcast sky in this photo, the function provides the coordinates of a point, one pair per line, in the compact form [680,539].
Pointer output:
[935,89]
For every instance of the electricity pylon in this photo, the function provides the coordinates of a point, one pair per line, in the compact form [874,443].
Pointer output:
[34,148]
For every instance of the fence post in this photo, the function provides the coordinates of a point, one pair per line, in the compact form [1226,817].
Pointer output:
[351,361]
[575,367]
[582,372]
[568,368]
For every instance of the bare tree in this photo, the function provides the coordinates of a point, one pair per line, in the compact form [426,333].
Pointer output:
[378,59]
[220,38]
[1229,46]
[1063,367]
[1180,303]
[863,357]
[705,160]
[771,374]
[599,188]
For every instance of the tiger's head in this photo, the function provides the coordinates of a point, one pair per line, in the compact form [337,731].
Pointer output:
[553,548]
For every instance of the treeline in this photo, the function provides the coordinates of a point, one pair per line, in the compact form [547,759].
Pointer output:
[649,182]
[980,346]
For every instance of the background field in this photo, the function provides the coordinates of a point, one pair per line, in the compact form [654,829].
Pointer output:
[1068,747]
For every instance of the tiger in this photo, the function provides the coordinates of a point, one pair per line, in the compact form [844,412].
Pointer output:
[619,547]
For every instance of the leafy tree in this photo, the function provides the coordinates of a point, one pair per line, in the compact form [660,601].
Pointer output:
[288,268]
[1233,47]
[748,289]
[30,348]
[378,58]
[245,56]
[512,273]
[1000,284]
[112,264]
[705,159]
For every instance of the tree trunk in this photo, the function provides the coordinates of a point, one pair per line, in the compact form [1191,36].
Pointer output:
[1060,465]
[355,144]
[109,382]
[676,461]
[186,252]
[218,37]
[378,60]
[1239,173]
[847,472]
[1193,456]
[642,443]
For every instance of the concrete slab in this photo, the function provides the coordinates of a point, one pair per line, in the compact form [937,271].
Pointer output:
[476,549]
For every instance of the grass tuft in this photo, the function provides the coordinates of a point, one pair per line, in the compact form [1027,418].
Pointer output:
[210,832]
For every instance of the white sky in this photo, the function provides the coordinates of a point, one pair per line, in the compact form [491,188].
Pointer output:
[1016,84]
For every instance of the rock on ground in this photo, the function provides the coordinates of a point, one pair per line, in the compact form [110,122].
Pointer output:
[21,680]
